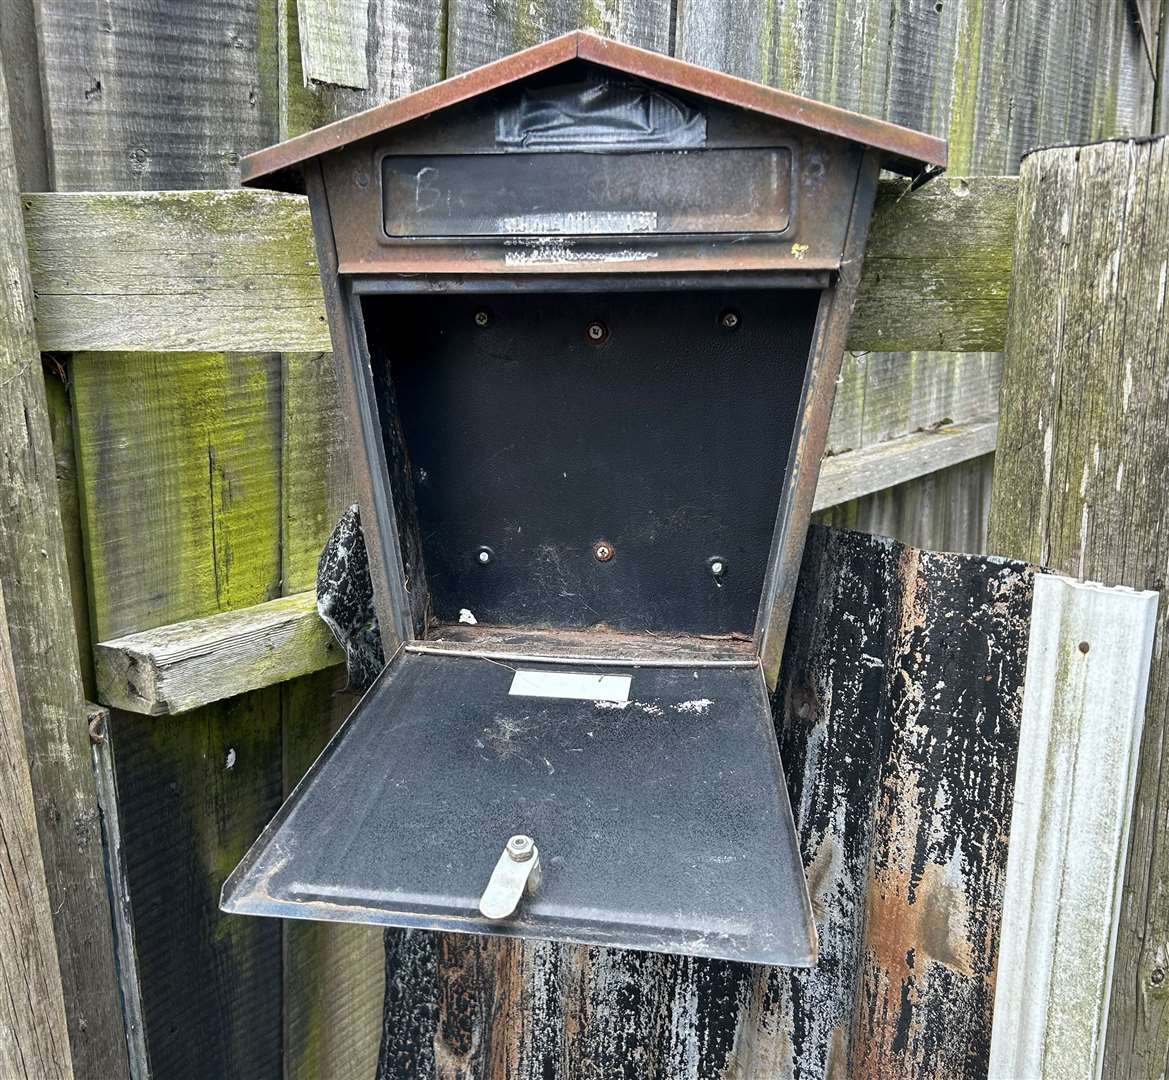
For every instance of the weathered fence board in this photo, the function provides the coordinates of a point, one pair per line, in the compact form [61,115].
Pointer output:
[479,31]
[218,270]
[1083,462]
[1083,709]
[897,714]
[34,1033]
[138,95]
[179,474]
[176,668]
[44,705]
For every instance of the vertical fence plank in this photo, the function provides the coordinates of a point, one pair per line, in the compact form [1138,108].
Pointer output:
[139,95]
[482,30]
[179,468]
[1082,448]
[44,705]
[1083,709]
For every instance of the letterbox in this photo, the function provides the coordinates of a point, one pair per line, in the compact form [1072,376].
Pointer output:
[588,306]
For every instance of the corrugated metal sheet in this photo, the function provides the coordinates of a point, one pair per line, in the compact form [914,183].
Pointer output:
[898,715]
[1083,710]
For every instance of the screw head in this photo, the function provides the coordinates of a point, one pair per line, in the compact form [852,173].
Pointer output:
[596,331]
[484,555]
[603,551]
[717,565]
[482,318]
[729,319]
[520,847]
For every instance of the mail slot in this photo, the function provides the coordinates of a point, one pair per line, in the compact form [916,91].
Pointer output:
[588,307]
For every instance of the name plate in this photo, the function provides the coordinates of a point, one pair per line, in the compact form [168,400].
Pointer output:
[557,193]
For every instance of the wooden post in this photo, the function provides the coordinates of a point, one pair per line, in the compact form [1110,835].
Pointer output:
[40,651]
[34,1038]
[1082,471]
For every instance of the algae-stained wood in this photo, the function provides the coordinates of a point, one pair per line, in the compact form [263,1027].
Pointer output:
[994,79]
[141,94]
[179,461]
[46,698]
[897,716]
[1083,457]
[1083,709]
[219,270]
[174,272]
[973,223]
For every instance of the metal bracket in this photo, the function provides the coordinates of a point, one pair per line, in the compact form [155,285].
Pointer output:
[516,872]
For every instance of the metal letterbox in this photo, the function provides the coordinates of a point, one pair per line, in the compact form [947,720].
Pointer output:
[588,307]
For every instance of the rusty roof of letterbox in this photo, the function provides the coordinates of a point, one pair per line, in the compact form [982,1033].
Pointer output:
[909,151]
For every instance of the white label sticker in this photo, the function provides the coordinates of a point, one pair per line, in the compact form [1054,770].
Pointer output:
[578,685]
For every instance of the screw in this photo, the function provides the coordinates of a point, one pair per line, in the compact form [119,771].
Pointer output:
[1084,647]
[729,319]
[482,319]
[484,555]
[1157,976]
[519,847]
[717,565]
[596,332]
[602,551]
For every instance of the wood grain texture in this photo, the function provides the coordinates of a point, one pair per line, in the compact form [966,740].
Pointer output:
[1083,710]
[212,270]
[405,49]
[947,509]
[68,495]
[1082,458]
[176,668]
[968,227]
[332,41]
[34,1034]
[479,31]
[138,95]
[849,476]
[191,446]
[995,80]
[897,715]
[45,698]
[175,272]
[18,50]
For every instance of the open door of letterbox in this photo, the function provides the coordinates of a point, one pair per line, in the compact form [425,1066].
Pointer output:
[654,794]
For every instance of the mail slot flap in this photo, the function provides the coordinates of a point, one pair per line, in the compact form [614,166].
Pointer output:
[654,795]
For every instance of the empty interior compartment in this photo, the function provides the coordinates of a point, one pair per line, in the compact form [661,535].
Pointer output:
[591,459]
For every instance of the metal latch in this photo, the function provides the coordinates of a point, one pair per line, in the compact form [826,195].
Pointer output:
[516,872]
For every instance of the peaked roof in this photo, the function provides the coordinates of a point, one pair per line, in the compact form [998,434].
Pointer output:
[909,150]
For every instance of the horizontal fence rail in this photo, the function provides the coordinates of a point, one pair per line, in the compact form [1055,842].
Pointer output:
[185,271]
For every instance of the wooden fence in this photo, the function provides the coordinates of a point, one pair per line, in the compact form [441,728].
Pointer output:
[199,456]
